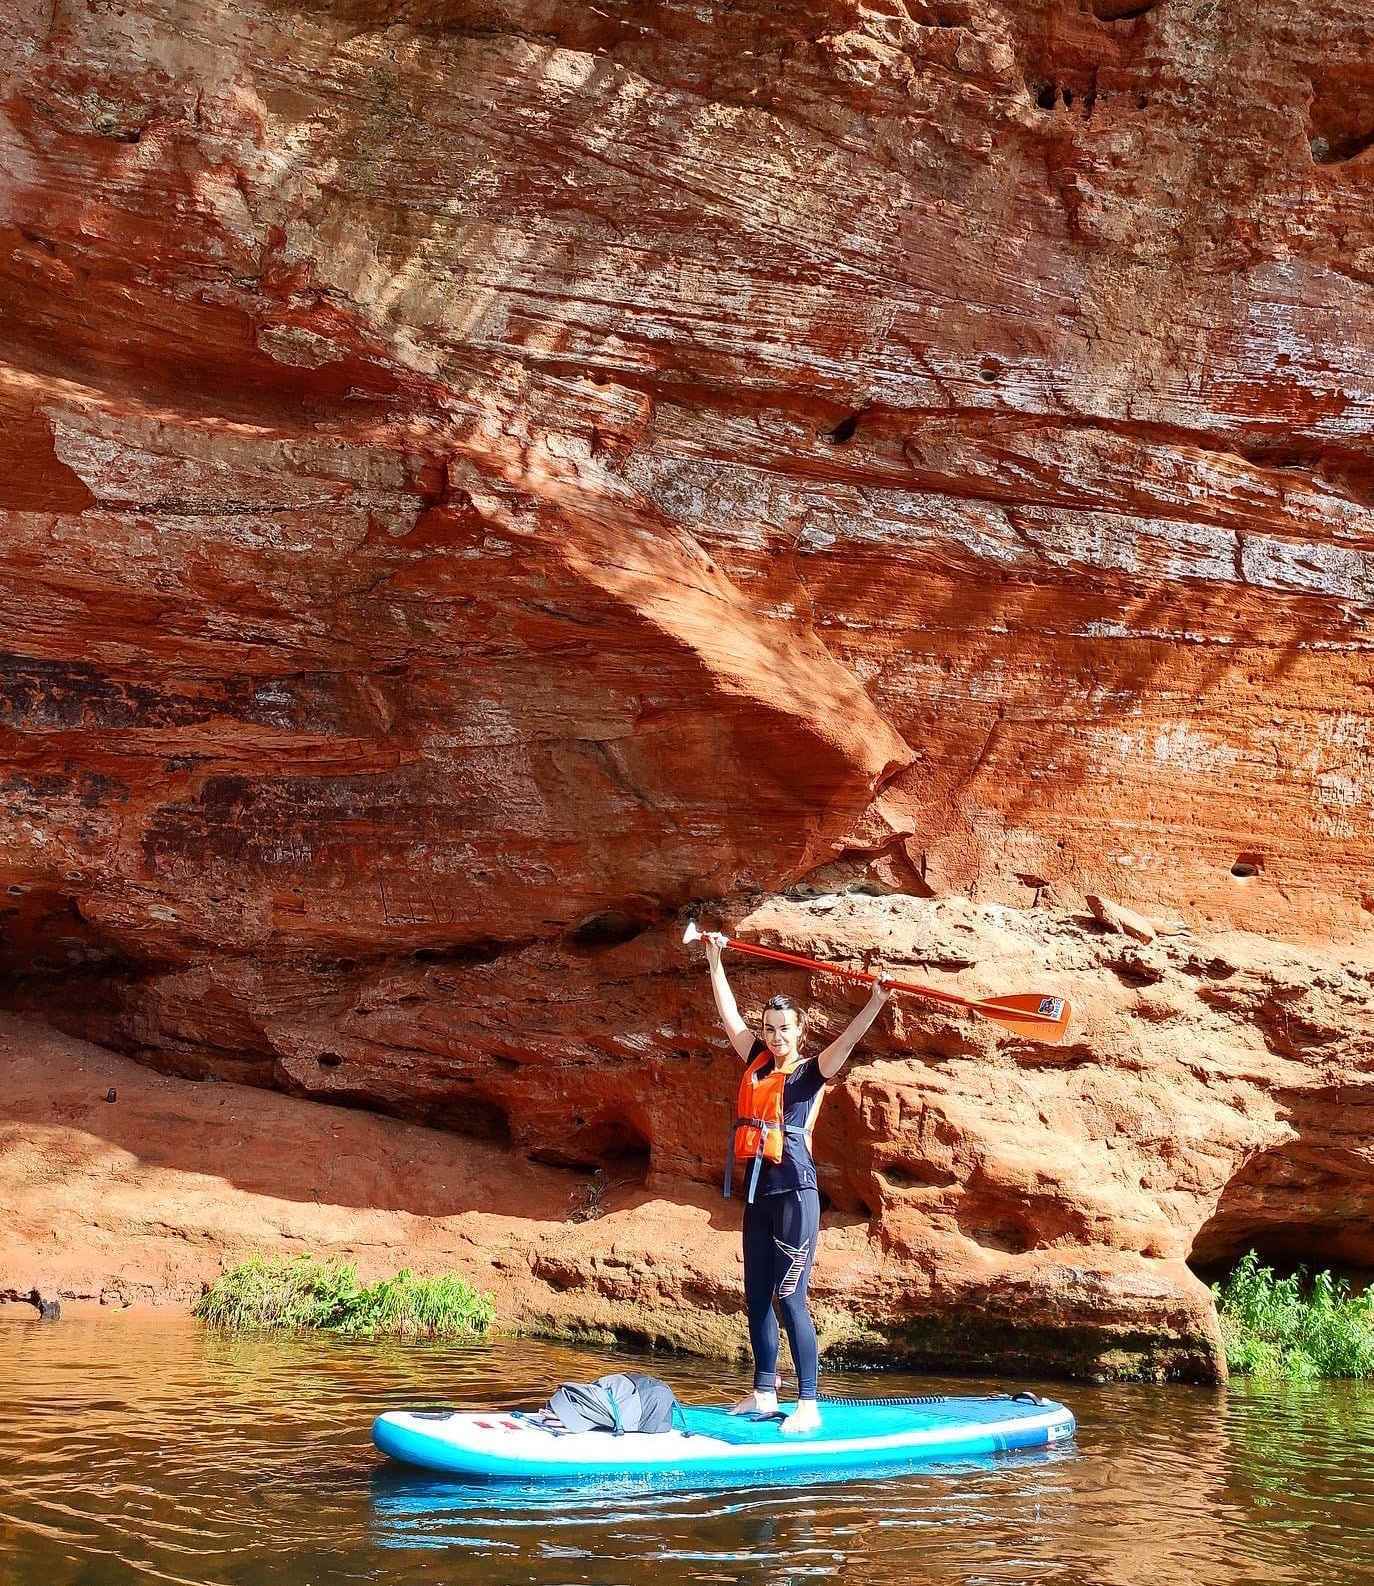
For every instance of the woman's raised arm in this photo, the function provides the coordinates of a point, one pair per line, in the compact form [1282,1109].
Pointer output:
[836,1055]
[735,1027]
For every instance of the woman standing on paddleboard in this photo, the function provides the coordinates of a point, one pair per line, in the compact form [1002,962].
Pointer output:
[780,1095]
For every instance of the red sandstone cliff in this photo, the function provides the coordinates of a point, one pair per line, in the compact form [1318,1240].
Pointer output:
[477,477]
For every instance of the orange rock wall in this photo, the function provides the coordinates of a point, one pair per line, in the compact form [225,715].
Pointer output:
[480,475]
[578,458]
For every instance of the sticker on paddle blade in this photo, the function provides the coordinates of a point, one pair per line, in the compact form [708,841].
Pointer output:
[1031,1016]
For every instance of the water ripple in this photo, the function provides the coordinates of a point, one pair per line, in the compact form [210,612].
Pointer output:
[138,1448]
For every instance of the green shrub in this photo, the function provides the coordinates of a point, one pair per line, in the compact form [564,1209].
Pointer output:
[301,1291]
[1293,1327]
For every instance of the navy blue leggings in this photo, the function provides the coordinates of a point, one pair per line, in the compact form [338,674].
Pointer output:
[780,1233]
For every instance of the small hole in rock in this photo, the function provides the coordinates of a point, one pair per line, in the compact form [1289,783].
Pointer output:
[108,127]
[477,1116]
[329,1059]
[1044,96]
[611,928]
[1246,866]
[844,430]
[609,1141]
[461,955]
[916,1175]
[1007,1233]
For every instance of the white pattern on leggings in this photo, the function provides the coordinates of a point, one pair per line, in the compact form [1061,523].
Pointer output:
[797,1255]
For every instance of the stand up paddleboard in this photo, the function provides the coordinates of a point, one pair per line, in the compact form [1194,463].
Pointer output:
[854,1435]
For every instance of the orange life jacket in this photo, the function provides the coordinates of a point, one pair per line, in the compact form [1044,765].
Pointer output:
[758,1132]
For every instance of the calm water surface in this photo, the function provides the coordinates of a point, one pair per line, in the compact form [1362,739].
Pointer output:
[136,1448]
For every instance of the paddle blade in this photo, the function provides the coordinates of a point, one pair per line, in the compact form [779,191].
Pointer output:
[691,934]
[1031,1016]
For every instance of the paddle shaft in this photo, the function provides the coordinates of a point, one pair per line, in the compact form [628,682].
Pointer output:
[951,998]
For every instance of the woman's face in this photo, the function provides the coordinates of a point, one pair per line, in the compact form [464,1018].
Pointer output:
[781,1030]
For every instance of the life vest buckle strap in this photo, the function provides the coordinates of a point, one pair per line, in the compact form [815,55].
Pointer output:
[763,1138]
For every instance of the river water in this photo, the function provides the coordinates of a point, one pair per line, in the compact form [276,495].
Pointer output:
[142,1448]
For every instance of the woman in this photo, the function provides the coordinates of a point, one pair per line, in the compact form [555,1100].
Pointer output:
[780,1095]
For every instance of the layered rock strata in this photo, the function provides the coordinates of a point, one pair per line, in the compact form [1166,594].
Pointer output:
[479,476]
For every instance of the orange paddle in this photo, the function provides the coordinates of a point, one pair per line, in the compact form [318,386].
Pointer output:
[1027,1014]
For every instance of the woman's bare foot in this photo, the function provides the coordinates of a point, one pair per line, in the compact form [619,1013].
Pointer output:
[805,1418]
[762,1401]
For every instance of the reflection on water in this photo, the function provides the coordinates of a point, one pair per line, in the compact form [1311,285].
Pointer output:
[141,1448]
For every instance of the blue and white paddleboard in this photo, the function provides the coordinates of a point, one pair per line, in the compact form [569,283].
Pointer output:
[854,1435]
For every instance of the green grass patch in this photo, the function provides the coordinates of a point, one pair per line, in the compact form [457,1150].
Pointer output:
[1294,1327]
[301,1291]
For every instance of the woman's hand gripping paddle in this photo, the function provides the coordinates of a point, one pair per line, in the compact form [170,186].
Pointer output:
[1029,1015]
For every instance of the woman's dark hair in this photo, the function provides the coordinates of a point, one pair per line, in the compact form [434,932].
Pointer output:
[782,1003]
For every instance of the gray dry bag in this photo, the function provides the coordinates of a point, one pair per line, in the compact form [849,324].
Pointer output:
[620,1402]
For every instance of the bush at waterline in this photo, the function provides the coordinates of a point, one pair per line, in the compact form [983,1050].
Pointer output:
[1293,1326]
[300,1291]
